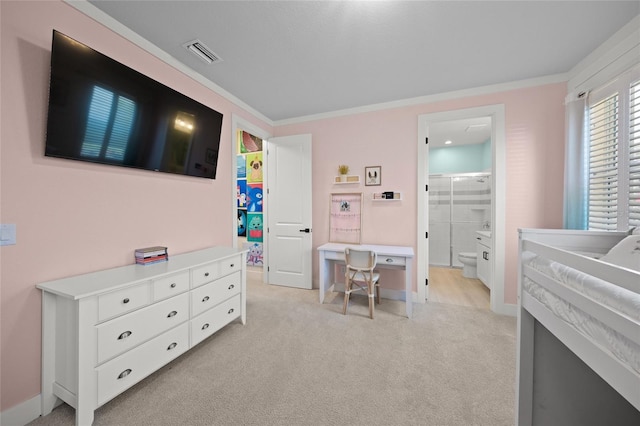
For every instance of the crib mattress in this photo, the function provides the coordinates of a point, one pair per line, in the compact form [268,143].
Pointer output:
[617,298]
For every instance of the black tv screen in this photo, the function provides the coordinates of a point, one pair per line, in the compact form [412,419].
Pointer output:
[102,111]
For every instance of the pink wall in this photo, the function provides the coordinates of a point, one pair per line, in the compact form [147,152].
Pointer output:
[535,171]
[73,217]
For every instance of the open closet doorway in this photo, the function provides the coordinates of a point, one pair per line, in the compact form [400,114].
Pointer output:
[283,226]
[461,192]
[248,143]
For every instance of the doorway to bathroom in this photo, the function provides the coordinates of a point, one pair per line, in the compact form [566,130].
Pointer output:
[472,165]
[459,207]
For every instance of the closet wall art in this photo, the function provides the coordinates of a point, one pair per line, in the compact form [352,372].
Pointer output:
[249,194]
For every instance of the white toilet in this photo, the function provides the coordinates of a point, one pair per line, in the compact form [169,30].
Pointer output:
[469,262]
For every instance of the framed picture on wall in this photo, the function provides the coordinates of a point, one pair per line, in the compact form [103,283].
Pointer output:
[241,193]
[373,175]
[242,223]
[254,197]
[254,227]
[254,167]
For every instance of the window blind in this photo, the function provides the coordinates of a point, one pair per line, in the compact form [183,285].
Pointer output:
[119,138]
[109,123]
[603,164]
[97,122]
[634,154]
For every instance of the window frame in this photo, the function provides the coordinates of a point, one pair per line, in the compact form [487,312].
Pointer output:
[621,86]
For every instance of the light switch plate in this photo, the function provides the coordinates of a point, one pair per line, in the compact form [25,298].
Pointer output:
[7,234]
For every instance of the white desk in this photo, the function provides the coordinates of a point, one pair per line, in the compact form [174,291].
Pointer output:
[389,257]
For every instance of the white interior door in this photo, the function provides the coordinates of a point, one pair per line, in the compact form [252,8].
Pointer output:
[288,204]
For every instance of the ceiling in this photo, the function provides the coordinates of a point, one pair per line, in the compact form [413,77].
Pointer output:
[290,59]
[460,132]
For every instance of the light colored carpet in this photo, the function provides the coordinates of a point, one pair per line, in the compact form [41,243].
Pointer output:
[297,362]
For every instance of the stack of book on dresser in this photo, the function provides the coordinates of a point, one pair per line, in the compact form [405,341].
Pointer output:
[149,255]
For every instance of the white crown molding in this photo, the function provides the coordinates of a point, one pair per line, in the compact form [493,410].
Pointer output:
[106,20]
[477,91]
[616,55]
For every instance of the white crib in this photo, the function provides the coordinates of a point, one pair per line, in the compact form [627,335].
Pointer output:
[578,358]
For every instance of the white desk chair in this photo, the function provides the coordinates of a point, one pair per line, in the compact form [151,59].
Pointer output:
[359,271]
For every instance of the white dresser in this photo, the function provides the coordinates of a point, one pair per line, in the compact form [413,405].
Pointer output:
[105,331]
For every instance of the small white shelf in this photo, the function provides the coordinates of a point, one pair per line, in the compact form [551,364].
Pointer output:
[377,196]
[349,179]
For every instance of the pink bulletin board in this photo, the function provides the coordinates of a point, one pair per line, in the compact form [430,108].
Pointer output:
[345,221]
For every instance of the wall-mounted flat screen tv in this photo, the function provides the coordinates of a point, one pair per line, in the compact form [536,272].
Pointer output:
[102,111]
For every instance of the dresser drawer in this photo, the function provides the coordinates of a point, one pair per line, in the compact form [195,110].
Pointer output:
[122,301]
[123,333]
[125,371]
[170,286]
[209,295]
[229,266]
[204,274]
[391,260]
[214,319]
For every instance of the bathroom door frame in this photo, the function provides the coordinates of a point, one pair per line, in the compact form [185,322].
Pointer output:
[498,196]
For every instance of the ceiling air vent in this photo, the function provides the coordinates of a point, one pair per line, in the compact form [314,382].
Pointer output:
[201,51]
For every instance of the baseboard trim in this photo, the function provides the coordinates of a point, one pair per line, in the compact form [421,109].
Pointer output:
[507,309]
[22,413]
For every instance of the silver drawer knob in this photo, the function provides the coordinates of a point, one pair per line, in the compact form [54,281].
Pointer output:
[124,374]
[173,285]
[204,327]
[125,300]
[230,311]
[389,260]
[172,314]
[172,346]
[206,274]
[204,299]
[231,287]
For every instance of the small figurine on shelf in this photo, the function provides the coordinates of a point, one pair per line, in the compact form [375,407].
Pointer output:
[343,169]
